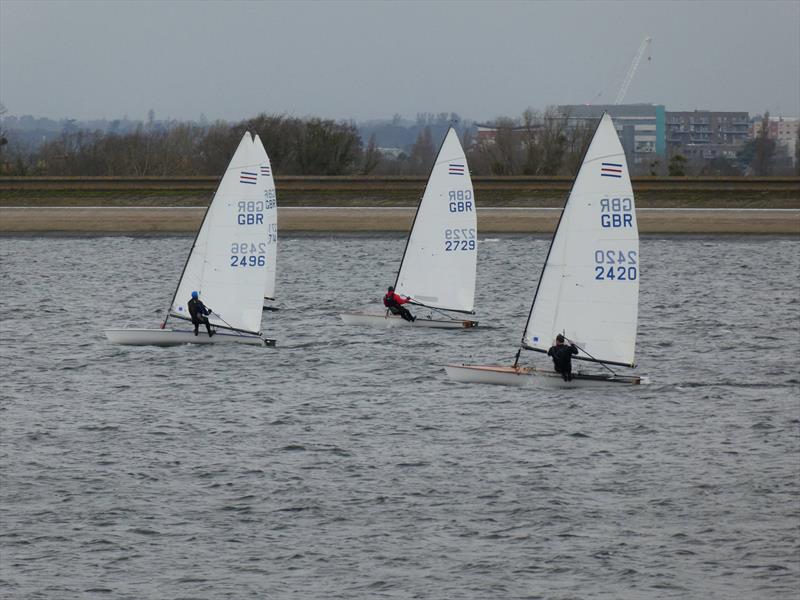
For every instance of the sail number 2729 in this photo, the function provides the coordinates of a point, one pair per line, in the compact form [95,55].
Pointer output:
[615,265]
[459,239]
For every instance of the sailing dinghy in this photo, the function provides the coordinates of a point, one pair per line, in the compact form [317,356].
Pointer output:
[266,187]
[439,263]
[588,290]
[227,265]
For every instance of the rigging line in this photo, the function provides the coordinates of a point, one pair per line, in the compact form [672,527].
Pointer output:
[455,310]
[605,366]
[436,309]
[239,331]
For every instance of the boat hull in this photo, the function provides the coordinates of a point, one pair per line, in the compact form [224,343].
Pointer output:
[177,337]
[390,321]
[521,376]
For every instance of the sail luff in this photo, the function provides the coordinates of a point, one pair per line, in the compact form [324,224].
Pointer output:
[189,255]
[416,212]
[550,247]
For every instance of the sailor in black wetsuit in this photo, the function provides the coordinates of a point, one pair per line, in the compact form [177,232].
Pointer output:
[562,357]
[198,312]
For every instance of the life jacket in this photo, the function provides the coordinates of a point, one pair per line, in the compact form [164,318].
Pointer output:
[389,301]
[562,356]
[196,309]
[192,306]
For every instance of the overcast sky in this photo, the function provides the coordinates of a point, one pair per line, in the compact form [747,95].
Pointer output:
[364,60]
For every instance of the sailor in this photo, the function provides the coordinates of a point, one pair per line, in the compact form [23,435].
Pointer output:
[394,302]
[562,357]
[198,312]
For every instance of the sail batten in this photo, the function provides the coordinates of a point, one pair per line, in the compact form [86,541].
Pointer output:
[440,258]
[589,287]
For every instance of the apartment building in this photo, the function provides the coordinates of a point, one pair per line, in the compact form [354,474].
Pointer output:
[705,134]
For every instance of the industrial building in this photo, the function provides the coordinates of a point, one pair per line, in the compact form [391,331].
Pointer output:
[641,127]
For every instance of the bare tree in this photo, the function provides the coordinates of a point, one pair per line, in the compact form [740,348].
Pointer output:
[328,148]
[764,149]
[797,153]
[371,156]
[422,153]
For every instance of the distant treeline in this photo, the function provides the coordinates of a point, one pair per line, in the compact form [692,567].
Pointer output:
[296,146]
[538,143]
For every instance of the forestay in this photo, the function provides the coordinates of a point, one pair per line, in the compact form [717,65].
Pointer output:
[589,288]
[227,264]
[438,267]
[266,187]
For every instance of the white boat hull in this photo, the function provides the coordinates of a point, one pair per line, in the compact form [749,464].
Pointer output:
[177,337]
[521,376]
[390,321]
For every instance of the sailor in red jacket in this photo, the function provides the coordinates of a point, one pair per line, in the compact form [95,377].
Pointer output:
[394,302]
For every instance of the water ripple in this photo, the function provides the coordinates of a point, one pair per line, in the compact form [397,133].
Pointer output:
[343,464]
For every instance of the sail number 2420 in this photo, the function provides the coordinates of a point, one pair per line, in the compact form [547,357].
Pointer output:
[615,265]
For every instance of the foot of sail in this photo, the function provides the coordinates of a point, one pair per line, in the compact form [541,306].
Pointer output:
[519,376]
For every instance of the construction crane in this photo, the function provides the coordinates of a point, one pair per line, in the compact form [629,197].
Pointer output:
[632,70]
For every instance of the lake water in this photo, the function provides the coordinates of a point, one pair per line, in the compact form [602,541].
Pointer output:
[344,464]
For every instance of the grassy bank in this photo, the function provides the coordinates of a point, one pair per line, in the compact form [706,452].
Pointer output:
[651,192]
[165,220]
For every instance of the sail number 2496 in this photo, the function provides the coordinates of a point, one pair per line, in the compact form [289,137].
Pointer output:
[615,265]
[248,254]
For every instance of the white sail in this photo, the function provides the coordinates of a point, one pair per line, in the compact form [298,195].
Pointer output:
[266,188]
[438,267]
[228,261]
[589,288]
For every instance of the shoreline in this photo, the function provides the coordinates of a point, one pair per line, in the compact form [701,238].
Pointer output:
[311,219]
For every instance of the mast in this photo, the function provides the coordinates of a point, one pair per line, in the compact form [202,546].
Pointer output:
[189,256]
[419,204]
